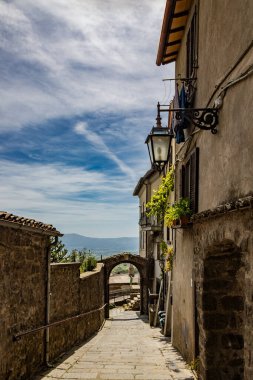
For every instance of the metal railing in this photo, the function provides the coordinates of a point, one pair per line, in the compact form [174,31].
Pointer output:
[148,220]
[31,331]
[123,293]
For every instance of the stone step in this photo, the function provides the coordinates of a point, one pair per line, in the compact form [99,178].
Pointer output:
[132,304]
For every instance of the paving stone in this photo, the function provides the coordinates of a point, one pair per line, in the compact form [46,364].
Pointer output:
[116,376]
[80,375]
[125,349]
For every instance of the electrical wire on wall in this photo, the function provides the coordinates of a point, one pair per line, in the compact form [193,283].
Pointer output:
[168,92]
[218,102]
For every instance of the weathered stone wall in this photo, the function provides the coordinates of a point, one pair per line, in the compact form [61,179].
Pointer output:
[225,174]
[23,288]
[71,295]
[23,266]
[224,278]
[183,296]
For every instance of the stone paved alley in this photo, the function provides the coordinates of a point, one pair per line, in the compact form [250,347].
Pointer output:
[125,349]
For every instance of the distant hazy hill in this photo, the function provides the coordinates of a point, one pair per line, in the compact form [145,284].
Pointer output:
[101,246]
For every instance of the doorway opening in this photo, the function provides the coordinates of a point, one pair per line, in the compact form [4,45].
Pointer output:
[141,263]
[124,287]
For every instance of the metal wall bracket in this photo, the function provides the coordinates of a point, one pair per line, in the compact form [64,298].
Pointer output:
[203,118]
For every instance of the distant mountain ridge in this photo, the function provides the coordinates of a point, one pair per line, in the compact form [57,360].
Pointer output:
[101,246]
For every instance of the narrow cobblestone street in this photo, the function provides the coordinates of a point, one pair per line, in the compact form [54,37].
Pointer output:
[125,349]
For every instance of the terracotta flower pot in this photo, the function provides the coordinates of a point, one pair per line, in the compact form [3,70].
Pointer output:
[175,223]
[184,219]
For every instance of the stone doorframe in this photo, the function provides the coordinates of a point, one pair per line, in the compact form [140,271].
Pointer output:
[223,257]
[143,266]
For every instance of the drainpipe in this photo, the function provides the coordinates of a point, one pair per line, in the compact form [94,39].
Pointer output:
[48,294]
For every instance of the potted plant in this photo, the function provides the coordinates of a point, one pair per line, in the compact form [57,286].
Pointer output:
[179,213]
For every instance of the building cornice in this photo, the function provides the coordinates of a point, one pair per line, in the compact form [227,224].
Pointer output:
[141,181]
[239,204]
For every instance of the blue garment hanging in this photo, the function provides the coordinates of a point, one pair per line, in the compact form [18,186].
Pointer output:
[183,104]
[177,125]
[182,98]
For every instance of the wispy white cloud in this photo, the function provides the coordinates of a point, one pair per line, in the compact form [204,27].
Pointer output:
[78,60]
[72,199]
[68,58]
[81,128]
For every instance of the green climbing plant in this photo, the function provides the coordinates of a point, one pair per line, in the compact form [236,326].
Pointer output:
[164,248]
[169,260]
[167,253]
[158,204]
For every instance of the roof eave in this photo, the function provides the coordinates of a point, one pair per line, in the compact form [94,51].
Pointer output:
[147,175]
[167,21]
[30,229]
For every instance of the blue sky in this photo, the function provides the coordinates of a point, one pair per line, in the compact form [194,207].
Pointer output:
[78,89]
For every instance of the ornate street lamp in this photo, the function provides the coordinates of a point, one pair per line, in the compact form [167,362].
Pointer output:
[159,143]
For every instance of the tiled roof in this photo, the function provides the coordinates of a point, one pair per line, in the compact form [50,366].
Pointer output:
[28,223]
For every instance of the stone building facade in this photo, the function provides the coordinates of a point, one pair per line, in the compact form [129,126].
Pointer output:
[24,265]
[211,43]
[150,230]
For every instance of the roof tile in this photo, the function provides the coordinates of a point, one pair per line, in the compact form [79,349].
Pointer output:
[26,222]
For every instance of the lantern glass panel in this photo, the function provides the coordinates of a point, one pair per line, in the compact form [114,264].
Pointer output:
[150,149]
[161,148]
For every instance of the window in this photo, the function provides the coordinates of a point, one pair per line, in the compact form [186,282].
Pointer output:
[143,240]
[190,179]
[170,158]
[168,234]
[191,46]
[158,251]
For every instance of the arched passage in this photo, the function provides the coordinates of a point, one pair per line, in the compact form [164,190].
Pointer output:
[141,264]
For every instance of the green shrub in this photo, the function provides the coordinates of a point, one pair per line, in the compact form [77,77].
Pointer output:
[88,264]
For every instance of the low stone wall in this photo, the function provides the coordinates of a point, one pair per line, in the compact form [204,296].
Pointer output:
[23,266]
[73,295]
[23,300]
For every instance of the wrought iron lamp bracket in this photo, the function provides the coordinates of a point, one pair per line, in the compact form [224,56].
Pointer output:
[203,118]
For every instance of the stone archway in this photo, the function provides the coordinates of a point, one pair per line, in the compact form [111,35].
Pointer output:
[221,312]
[143,266]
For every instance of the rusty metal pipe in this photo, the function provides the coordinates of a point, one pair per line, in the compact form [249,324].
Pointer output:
[47,326]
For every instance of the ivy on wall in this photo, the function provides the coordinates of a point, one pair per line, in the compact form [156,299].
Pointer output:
[159,201]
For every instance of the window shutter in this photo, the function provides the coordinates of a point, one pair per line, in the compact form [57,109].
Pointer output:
[182,182]
[158,251]
[194,181]
[191,47]
[188,56]
[170,158]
